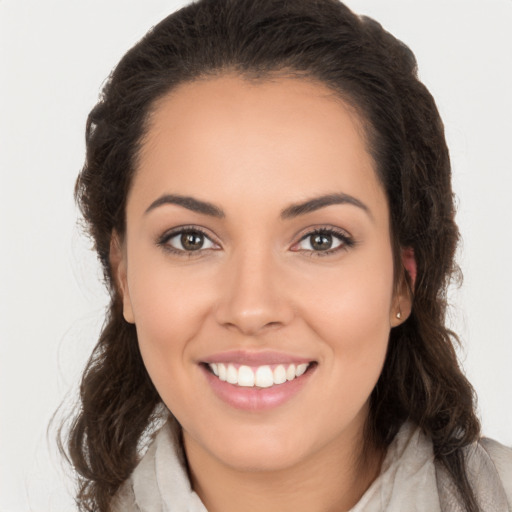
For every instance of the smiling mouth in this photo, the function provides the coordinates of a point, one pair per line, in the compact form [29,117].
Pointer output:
[264,376]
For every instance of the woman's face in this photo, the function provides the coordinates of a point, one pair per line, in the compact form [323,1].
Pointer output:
[257,247]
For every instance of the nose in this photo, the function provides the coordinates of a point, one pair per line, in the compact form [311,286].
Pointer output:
[253,298]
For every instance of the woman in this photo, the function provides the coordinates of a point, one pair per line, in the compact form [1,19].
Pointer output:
[268,187]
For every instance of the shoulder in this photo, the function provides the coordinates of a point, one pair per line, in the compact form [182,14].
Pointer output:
[489,472]
[501,457]
[124,499]
[160,480]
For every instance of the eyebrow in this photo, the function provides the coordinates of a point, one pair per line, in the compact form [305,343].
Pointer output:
[292,211]
[321,202]
[189,203]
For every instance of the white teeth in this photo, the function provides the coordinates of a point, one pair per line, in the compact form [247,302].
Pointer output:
[264,377]
[261,377]
[245,377]
[231,374]
[301,369]
[279,374]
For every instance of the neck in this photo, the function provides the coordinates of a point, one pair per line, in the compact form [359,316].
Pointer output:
[332,480]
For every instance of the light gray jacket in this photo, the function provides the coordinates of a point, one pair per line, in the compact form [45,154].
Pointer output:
[409,481]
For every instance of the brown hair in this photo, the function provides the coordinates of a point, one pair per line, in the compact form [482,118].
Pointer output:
[320,39]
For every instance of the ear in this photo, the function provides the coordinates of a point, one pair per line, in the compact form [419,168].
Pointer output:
[402,303]
[409,263]
[118,265]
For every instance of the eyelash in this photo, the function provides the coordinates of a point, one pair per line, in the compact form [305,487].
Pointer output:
[163,241]
[346,240]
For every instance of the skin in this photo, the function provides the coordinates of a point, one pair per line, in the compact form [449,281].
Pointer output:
[253,149]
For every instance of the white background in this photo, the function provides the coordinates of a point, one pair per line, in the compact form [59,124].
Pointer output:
[55,54]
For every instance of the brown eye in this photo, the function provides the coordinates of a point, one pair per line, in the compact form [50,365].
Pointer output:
[324,241]
[187,240]
[192,241]
[321,241]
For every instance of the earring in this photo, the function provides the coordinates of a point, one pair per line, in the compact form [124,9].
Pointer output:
[399,314]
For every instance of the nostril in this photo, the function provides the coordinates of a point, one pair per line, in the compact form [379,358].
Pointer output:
[273,324]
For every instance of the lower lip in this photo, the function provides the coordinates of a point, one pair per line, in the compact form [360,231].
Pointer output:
[254,398]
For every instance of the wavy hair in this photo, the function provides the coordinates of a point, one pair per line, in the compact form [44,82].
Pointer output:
[374,72]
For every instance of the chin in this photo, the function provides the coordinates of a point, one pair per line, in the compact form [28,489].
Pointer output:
[258,448]
[261,457]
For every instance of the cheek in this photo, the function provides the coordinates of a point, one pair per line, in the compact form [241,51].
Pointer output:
[350,313]
[168,311]
[354,330]
[167,319]
[354,300]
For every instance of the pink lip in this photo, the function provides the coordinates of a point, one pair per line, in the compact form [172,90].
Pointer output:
[240,357]
[253,398]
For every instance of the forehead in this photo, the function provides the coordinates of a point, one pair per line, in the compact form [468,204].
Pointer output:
[228,135]
[233,105]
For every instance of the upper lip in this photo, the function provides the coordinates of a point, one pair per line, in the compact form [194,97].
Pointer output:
[260,358]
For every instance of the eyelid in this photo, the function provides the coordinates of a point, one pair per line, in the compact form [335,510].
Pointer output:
[347,241]
[163,240]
